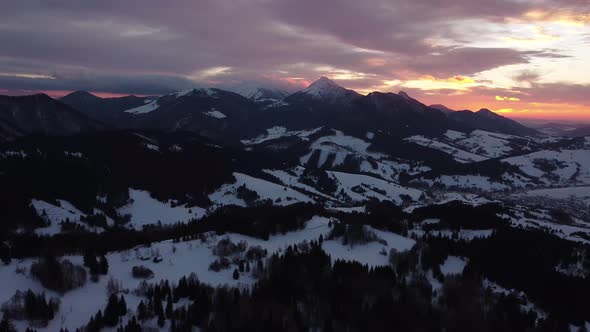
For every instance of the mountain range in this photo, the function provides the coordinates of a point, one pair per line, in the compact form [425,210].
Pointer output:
[232,116]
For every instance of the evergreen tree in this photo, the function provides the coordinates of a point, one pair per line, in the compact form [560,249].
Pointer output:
[111,312]
[236,274]
[141,311]
[169,307]
[161,320]
[122,306]
[6,326]
[103,265]
[5,253]
[90,261]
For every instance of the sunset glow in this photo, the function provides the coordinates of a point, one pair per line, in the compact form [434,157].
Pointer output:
[524,58]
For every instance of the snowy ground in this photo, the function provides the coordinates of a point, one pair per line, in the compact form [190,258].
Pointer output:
[215,114]
[147,108]
[453,265]
[556,167]
[291,179]
[469,182]
[145,210]
[182,259]
[457,153]
[280,132]
[581,193]
[541,219]
[464,234]
[339,146]
[278,194]
[476,146]
[361,188]
[55,215]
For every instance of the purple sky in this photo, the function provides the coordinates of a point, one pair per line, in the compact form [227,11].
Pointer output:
[519,57]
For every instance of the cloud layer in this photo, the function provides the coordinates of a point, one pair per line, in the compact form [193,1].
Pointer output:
[153,47]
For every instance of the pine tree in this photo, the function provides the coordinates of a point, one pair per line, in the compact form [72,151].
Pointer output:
[6,326]
[161,320]
[103,265]
[5,253]
[236,274]
[248,266]
[122,306]
[169,308]
[90,259]
[141,311]
[111,312]
[241,266]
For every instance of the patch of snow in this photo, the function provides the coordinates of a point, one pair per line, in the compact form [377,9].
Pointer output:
[430,221]
[21,154]
[143,109]
[55,215]
[189,92]
[277,194]
[152,147]
[454,135]
[215,114]
[277,132]
[453,265]
[360,188]
[555,167]
[581,193]
[277,104]
[145,210]
[464,234]
[74,154]
[458,154]
[542,220]
[292,181]
[354,209]
[340,146]
[477,182]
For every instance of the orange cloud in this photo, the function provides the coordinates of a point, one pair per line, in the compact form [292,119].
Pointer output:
[500,98]
[564,16]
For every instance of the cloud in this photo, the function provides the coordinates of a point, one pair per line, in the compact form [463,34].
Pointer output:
[153,47]
[527,76]
[136,84]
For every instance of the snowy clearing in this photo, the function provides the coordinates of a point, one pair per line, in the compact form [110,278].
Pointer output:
[145,210]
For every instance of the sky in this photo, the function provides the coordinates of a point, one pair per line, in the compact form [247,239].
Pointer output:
[521,58]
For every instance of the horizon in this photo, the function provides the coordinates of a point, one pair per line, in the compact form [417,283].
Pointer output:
[529,121]
[521,59]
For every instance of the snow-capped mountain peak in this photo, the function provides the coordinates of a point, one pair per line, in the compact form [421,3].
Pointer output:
[325,88]
[194,92]
[258,93]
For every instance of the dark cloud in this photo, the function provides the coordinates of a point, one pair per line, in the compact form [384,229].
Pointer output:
[127,46]
[527,76]
[142,85]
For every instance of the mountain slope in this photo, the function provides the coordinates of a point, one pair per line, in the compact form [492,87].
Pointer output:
[40,114]
[323,90]
[259,94]
[487,120]
[213,113]
[108,110]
